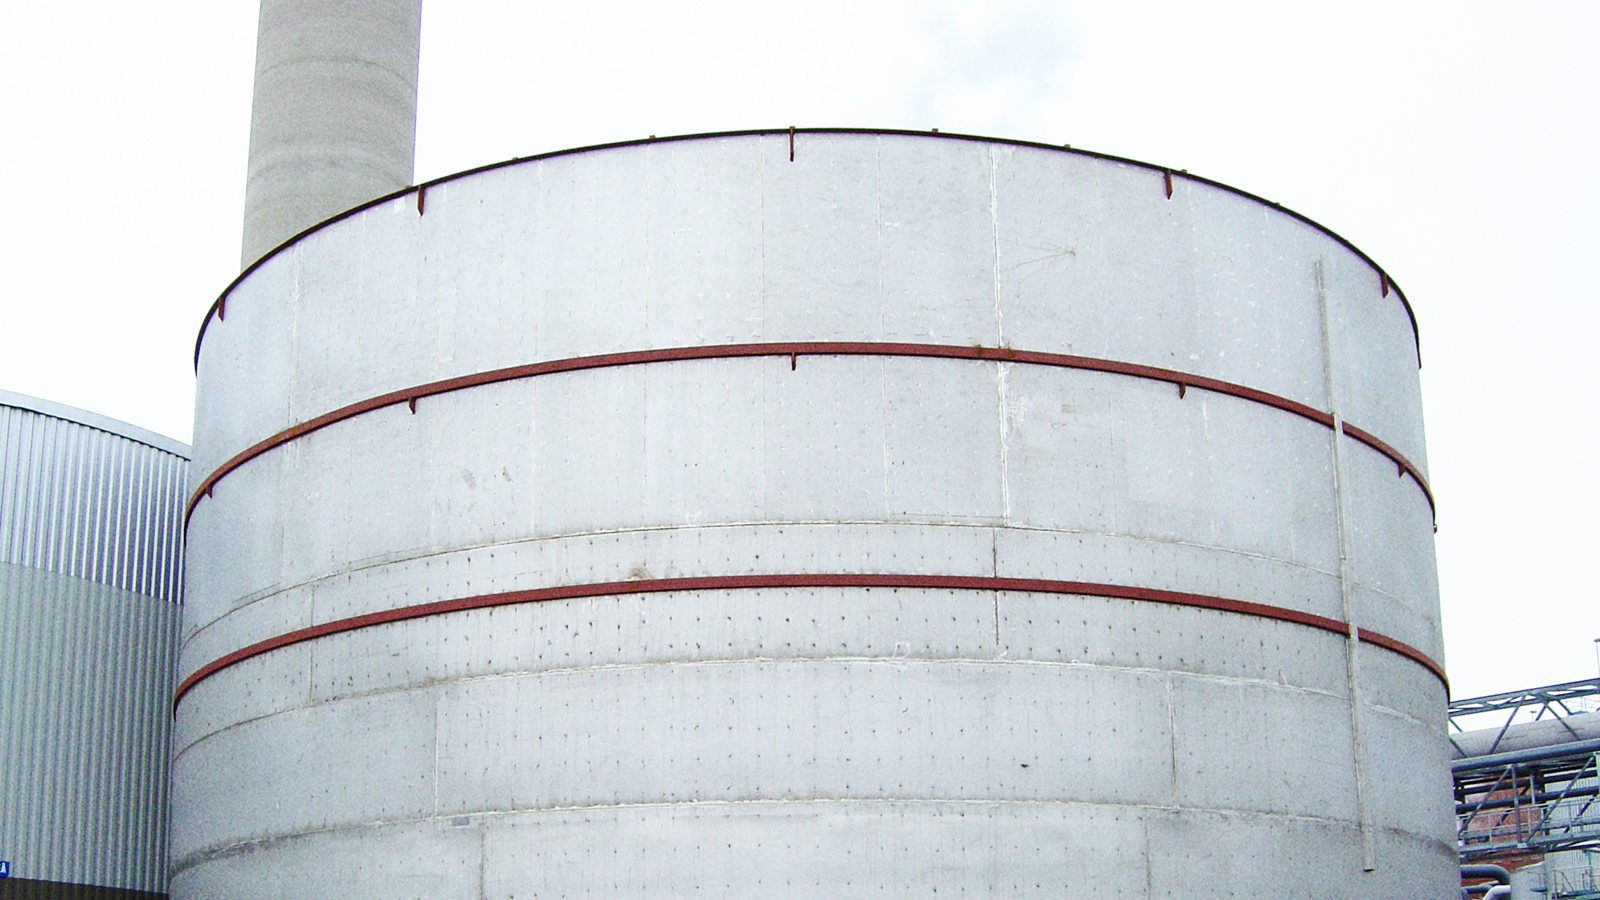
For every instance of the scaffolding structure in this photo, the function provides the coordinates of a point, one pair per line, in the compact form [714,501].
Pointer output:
[1533,799]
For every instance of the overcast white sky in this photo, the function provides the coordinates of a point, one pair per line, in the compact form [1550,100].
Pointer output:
[1454,142]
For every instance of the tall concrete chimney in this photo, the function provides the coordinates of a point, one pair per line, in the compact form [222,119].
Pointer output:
[334,118]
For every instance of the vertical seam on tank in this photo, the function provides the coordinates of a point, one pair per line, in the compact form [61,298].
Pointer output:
[644,436]
[761,307]
[883,376]
[761,240]
[877,171]
[1172,737]
[644,377]
[994,234]
[1149,890]
[544,287]
[883,396]
[1000,337]
[644,285]
[311,654]
[532,417]
[994,570]
[1205,434]
[1292,484]
[1118,475]
[436,699]
[1005,428]
[1186,207]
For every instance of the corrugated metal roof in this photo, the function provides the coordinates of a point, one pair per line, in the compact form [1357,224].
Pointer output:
[84,501]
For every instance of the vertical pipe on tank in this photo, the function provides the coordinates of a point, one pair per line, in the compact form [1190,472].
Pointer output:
[333,121]
[1346,600]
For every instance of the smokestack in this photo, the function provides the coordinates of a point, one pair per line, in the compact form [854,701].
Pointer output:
[334,119]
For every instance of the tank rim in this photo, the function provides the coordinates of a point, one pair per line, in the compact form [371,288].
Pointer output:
[218,305]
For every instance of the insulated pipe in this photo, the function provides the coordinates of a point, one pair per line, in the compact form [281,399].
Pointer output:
[333,122]
[1526,735]
[1482,870]
[1576,748]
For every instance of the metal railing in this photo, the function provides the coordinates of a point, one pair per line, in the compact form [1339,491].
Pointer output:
[1573,882]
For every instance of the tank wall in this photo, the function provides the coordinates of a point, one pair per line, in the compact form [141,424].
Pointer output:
[721,241]
[90,550]
[549,260]
[546,715]
[689,729]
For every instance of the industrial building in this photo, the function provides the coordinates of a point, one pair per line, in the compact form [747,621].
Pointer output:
[803,512]
[91,553]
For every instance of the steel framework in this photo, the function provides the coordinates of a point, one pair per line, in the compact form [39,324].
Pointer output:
[1532,704]
[1540,799]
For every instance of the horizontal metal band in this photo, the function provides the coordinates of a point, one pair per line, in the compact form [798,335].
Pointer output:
[1183,380]
[737,582]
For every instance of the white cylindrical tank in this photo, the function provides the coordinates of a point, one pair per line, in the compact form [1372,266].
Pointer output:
[91,550]
[831,513]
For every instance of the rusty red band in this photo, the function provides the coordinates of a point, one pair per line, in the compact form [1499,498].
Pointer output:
[1403,464]
[739,582]
[1183,380]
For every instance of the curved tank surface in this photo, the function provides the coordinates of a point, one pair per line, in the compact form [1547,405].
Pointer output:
[90,560]
[817,513]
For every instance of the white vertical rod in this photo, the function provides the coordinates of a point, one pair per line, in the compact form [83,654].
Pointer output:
[1353,637]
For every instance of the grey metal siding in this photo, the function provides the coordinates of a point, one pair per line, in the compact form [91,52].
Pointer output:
[90,585]
[80,501]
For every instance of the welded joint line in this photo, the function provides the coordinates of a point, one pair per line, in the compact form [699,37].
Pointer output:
[745,582]
[421,557]
[206,855]
[793,350]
